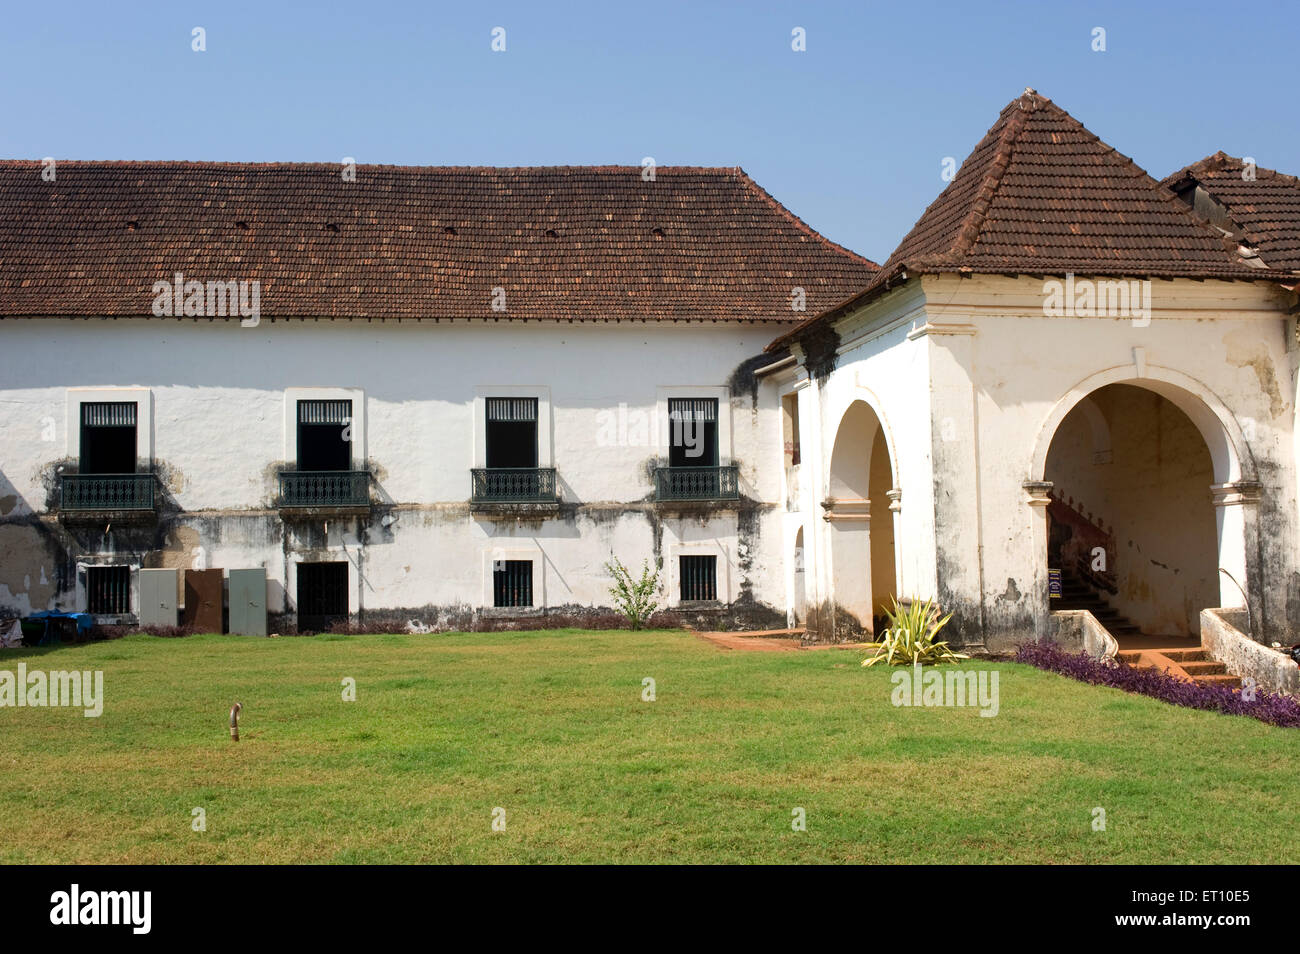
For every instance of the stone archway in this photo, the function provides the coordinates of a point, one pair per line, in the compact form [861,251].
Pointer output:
[1166,505]
[860,507]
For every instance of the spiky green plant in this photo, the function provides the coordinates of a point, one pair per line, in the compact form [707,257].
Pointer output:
[910,637]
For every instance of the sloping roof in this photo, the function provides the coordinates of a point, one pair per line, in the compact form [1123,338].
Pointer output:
[1264,205]
[566,243]
[1041,195]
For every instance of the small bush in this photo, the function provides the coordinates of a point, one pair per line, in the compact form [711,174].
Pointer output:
[1268,707]
[635,600]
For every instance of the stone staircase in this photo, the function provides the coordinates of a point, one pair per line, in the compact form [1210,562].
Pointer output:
[1194,664]
[1186,662]
[1078,595]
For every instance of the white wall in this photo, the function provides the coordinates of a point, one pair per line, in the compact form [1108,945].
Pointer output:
[219,431]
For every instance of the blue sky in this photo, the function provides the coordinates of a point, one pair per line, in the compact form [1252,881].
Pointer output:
[849,134]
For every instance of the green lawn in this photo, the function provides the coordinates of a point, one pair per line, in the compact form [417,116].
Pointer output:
[551,727]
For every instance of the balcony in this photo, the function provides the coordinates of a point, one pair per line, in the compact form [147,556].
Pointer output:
[702,484]
[333,490]
[514,490]
[95,495]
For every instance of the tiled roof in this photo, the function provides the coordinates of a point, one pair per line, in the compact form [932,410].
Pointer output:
[565,243]
[1264,205]
[1041,195]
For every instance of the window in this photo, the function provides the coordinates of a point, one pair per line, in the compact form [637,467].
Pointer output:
[790,428]
[512,583]
[324,435]
[699,578]
[693,432]
[108,589]
[108,433]
[511,432]
[322,595]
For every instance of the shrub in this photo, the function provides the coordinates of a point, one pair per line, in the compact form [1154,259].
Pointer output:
[1268,707]
[910,637]
[635,600]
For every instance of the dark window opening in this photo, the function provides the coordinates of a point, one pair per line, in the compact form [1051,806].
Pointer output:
[512,583]
[790,428]
[699,578]
[322,595]
[108,435]
[511,432]
[324,435]
[108,590]
[693,432]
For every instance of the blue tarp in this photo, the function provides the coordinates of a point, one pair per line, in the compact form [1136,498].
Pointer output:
[83,621]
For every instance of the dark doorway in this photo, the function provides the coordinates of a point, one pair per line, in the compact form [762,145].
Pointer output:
[511,432]
[324,435]
[108,437]
[322,595]
[693,432]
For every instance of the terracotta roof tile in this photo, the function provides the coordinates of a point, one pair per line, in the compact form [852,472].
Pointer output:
[566,243]
[1264,208]
[1041,195]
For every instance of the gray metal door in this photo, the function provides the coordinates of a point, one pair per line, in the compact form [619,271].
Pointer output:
[248,602]
[158,603]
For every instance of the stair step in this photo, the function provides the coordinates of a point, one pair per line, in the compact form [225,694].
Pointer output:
[1225,679]
[1206,668]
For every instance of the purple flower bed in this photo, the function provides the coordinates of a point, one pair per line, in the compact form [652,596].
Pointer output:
[1159,684]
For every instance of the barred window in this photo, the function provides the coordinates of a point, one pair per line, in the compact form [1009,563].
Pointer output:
[512,583]
[699,578]
[108,590]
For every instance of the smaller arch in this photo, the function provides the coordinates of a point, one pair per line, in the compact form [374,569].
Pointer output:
[1229,452]
[841,408]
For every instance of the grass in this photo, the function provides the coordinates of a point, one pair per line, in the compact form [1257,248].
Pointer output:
[551,727]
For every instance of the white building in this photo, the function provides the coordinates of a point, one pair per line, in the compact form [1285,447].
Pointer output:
[465,390]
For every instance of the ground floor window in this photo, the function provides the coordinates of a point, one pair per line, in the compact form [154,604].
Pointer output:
[512,583]
[108,590]
[322,595]
[699,577]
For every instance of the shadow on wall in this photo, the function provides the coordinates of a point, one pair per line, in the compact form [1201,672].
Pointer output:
[32,558]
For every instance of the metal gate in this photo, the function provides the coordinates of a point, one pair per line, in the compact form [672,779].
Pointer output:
[158,603]
[322,595]
[247,596]
[203,592]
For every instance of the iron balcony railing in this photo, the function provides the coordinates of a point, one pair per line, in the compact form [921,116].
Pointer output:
[324,488]
[90,492]
[698,483]
[514,485]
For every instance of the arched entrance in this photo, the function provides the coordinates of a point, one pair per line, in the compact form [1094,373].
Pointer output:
[800,580]
[858,509]
[1148,487]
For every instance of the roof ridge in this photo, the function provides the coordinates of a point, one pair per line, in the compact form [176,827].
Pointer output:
[969,230]
[316,164]
[767,197]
